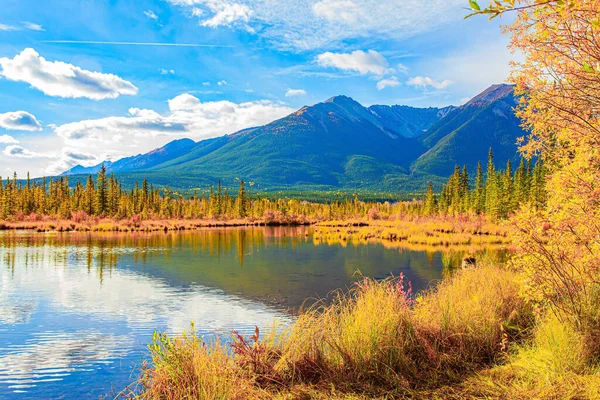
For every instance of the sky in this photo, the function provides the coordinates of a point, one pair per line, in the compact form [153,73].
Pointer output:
[83,81]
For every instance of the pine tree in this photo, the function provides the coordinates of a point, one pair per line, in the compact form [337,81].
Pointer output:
[101,191]
[429,202]
[240,204]
[90,195]
[492,206]
[479,195]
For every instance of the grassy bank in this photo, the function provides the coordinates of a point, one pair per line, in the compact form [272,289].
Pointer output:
[96,224]
[472,336]
[429,231]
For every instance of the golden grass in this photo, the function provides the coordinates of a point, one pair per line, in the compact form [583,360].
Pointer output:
[415,232]
[554,364]
[111,225]
[372,342]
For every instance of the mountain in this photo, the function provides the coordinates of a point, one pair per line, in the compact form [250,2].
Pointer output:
[171,150]
[334,143]
[339,143]
[408,121]
[465,135]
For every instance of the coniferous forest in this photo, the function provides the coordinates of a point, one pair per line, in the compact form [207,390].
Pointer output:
[494,193]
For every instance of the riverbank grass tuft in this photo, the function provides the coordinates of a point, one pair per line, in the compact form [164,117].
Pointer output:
[373,342]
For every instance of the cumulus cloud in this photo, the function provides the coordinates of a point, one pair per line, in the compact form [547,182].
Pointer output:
[19,121]
[59,79]
[222,83]
[188,117]
[7,139]
[370,62]
[21,152]
[337,10]
[315,24]
[384,83]
[227,14]
[183,102]
[425,82]
[167,71]
[143,130]
[150,14]
[295,92]
[78,155]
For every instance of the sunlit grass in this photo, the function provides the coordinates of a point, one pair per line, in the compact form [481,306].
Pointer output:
[372,342]
[416,233]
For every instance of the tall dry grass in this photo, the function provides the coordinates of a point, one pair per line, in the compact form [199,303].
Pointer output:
[375,341]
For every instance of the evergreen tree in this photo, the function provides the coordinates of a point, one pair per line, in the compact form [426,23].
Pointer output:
[492,206]
[429,202]
[101,191]
[90,194]
[240,204]
[479,195]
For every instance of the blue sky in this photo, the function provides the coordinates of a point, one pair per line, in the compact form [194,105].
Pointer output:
[82,81]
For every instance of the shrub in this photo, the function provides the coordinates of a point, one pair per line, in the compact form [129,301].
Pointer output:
[373,214]
[79,217]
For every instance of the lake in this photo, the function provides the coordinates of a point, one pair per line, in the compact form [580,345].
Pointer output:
[77,310]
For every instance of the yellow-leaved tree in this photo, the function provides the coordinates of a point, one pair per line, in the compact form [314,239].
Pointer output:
[558,78]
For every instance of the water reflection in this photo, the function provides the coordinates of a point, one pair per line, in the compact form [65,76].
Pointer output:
[77,309]
[51,356]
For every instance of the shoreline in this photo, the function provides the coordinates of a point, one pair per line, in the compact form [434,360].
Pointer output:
[110,225]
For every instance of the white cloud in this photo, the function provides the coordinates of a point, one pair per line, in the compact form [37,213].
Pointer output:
[318,24]
[222,83]
[59,79]
[391,82]
[167,71]
[7,139]
[370,62]
[188,117]
[70,157]
[295,92]
[32,27]
[402,68]
[4,27]
[150,14]
[19,121]
[24,25]
[337,10]
[425,82]
[205,83]
[143,130]
[183,102]
[226,14]
[21,152]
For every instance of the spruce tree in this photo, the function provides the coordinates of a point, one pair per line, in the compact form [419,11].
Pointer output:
[101,191]
[240,204]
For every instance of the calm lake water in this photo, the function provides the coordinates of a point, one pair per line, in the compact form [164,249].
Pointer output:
[78,310]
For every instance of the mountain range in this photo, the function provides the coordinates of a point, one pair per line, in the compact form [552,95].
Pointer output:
[340,144]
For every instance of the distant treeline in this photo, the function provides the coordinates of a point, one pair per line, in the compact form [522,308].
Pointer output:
[497,194]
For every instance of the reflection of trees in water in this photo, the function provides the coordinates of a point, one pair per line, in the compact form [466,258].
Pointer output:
[101,251]
[244,262]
